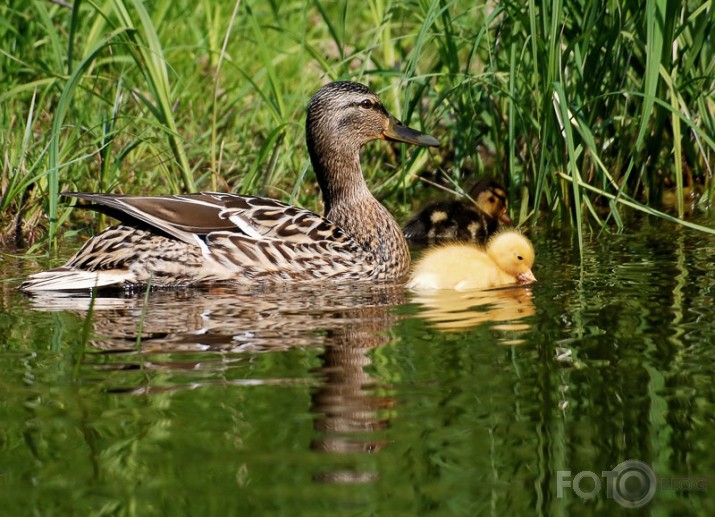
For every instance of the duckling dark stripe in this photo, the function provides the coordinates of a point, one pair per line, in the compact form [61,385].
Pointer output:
[500,194]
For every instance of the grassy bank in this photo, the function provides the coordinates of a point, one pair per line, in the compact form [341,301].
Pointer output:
[599,106]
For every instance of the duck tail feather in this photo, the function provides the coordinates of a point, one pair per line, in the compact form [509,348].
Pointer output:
[66,279]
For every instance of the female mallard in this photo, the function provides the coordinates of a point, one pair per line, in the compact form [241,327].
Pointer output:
[463,221]
[198,238]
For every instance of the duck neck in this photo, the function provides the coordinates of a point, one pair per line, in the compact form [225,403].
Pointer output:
[339,177]
[350,205]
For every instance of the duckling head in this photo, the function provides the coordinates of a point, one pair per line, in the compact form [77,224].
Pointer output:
[342,117]
[513,253]
[491,199]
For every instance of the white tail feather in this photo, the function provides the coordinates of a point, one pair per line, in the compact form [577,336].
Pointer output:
[72,280]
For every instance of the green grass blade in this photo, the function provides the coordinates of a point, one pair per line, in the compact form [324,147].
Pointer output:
[214,96]
[63,105]
[655,10]
[564,116]
[150,59]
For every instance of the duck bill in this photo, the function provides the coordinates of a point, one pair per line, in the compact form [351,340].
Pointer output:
[398,132]
[526,277]
[504,218]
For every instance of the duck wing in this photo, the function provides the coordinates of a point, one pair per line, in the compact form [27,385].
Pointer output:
[207,237]
[191,218]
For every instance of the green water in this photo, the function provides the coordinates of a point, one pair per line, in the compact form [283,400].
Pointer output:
[369,400]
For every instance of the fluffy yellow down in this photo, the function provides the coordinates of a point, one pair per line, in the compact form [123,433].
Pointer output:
[507,259]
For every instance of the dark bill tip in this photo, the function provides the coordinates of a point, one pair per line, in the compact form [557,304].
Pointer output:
[399,132]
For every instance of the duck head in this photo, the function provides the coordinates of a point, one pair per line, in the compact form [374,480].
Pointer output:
[342,117]
[514,254]
[491,199]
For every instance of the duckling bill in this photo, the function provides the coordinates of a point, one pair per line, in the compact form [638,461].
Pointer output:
[506,260]
[209,237]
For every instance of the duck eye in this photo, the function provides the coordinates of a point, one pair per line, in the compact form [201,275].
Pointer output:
[519,257]
[491,199]
[367,104]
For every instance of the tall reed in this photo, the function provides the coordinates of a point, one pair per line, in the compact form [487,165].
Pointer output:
[584,110]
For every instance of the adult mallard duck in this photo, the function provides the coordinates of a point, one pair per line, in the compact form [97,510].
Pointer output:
[462,220]
[209,237]
[506,259]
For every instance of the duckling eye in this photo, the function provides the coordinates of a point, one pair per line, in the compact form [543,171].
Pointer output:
[519,257]
[367,104]
[491,199]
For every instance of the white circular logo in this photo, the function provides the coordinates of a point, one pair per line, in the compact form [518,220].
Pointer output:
[633,483]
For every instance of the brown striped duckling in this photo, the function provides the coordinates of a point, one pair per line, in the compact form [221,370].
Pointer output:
[462,220]
[506,260]
[209,237]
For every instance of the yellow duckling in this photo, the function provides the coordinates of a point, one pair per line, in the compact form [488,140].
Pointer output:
[507,259]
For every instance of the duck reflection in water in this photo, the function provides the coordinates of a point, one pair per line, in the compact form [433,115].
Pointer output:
[347,411]
[228,327]
[506,309]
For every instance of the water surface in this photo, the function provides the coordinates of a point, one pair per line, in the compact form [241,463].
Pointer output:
[368,399]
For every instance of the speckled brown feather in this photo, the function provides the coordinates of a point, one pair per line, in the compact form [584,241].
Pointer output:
[211,237]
